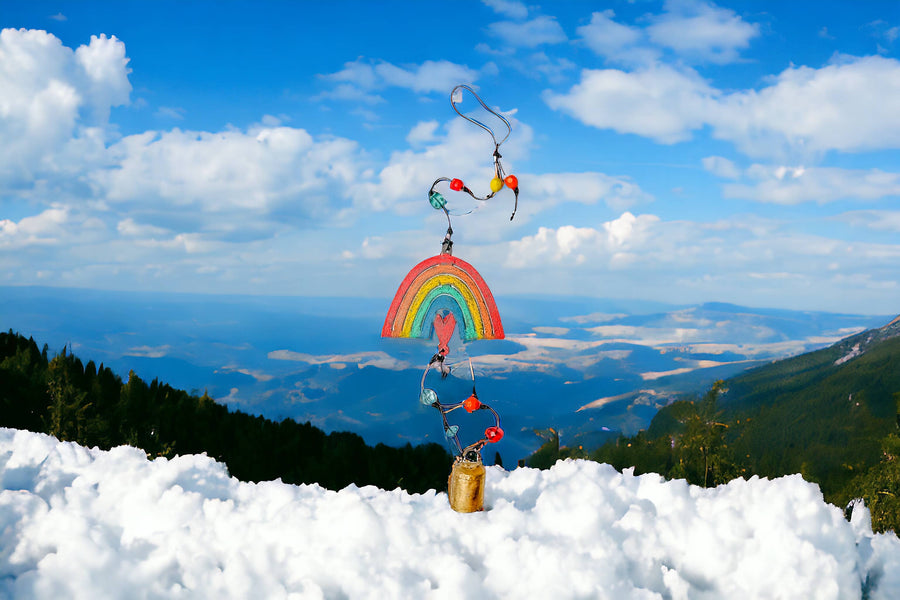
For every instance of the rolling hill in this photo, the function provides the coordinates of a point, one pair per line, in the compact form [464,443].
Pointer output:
[830,415]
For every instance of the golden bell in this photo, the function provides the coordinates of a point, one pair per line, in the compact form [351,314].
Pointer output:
[465,486]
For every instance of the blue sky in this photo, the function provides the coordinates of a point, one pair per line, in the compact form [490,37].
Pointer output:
[680,151]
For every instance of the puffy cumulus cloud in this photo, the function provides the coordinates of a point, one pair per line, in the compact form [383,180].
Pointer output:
[529,34]
[55,102]
[579,245]
[847,106]
[44,228]
[794,185]
[615,41]
[358,80]
[659,101]
[695,31]
[508,8]
[732,260]
[701,31]
[104,65]
[258,171]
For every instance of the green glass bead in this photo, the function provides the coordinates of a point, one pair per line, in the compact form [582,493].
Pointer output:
[451,431]
[428,397]
[437,200]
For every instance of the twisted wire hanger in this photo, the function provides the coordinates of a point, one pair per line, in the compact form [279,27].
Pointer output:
[501,179]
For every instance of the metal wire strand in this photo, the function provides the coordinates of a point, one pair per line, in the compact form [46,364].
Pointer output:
[485,107]
[445,409]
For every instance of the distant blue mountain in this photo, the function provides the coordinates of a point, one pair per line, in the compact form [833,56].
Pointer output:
[577,364]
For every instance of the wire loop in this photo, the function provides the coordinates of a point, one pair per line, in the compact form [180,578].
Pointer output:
[476,121]
[500,180]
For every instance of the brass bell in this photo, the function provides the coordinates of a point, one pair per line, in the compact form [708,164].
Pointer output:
[465,486]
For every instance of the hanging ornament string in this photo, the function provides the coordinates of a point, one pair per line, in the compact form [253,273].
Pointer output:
[429,397]
[445,296]
[501,179]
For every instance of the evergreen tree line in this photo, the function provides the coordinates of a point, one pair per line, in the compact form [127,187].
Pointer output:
[92,406]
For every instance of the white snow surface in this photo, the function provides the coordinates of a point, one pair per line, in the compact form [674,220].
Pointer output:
[86,523]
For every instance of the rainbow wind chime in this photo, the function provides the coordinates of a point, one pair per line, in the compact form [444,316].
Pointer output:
[442,295]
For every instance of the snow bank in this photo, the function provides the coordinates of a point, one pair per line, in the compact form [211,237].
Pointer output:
[79,523]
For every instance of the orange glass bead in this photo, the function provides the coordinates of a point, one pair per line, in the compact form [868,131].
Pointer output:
[512,182]
[472,403]
[456,185]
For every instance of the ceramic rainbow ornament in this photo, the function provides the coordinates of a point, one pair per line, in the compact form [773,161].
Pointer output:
[448,287]
[443,295]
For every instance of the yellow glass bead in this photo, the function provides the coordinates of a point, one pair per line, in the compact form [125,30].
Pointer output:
[496,184]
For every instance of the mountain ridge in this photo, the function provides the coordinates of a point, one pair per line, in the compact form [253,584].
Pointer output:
[833,421]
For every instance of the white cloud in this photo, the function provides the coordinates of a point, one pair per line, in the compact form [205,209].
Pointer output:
[721,167]
[880,220]
[430,76]
[701,31]
[106,68]
[554,69]
[170,112]
[422,133]
[358,79]
[696,31]
[508,8]
[660,101]
[615,41]
[258,170]
[379,359]
[846,106]
[529,34]
[550,189]
[256,374]
[548,354]
[640,255]
[555,331]
[128,227]
[149,351]
[580,245]
[44,228]
[793,185]
[55,102]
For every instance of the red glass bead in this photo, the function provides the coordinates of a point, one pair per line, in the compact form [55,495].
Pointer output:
[472,403]
[512,182]
[493,434]
[456,185]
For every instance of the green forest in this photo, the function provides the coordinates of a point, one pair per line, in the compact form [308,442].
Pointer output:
[836,423]
[93,406]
